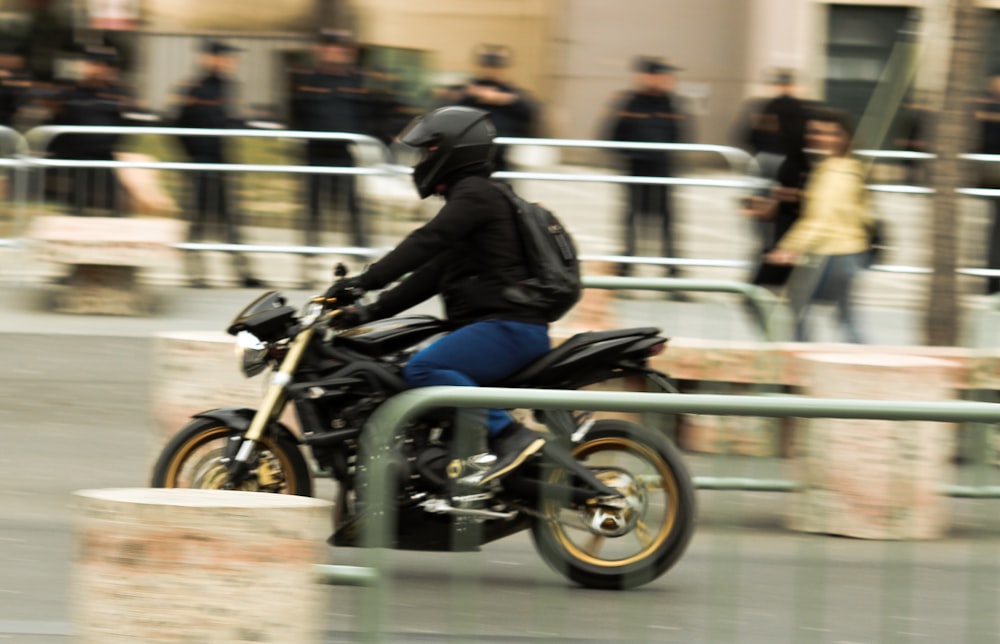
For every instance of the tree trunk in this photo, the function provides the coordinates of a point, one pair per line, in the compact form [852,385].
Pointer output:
[951,136]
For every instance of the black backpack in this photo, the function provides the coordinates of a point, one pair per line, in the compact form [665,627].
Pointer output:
[550,257]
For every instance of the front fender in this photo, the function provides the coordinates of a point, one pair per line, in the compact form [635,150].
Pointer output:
[238,419]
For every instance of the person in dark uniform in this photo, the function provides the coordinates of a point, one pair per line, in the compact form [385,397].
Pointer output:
[98,99]
[649,114]
[781,126]
[987,115]
[912,129]
[331,96]
[208,102]
[390,109]
[15,84]
[511,109]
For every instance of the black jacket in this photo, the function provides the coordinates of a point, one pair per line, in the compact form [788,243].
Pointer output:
[322,101]
[787,116]
[987,112]
[90,104]
[207,103]
[648,117]
[515,119]
[467,253]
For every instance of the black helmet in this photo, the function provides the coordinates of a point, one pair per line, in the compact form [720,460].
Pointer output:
[449,140]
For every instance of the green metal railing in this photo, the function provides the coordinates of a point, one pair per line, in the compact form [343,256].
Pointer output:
[765,306]
[407,406]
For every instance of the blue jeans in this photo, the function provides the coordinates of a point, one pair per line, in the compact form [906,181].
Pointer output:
[479,354]
[835,285]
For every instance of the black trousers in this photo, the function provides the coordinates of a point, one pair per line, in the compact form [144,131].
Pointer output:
[993,251]
[328,189]
[649,215]
[211,212]
[93,188]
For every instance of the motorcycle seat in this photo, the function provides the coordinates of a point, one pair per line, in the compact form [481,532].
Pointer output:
[579,341]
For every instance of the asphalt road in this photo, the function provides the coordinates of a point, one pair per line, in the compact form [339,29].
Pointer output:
[74,417]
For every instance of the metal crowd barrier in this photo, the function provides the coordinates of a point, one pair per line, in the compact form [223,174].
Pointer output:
[12,146]
[372,161]
[738,161]
[904,155]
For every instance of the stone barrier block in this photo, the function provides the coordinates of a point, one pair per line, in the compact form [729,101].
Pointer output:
[169,566]
[103,257]
[874,479]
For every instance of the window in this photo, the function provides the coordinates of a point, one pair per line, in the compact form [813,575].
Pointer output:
[860,41]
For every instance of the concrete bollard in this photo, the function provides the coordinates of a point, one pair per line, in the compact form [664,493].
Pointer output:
[178,565]
[874,479]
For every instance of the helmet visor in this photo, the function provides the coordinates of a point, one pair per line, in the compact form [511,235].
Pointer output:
[407,155]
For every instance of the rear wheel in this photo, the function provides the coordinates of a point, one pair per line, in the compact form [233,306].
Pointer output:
[194,458]
[624,545]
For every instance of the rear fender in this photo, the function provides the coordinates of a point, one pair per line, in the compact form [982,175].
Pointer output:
[581,367]
[643,349]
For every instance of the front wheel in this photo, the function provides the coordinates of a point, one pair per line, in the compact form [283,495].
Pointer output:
[600,546]
[195,458]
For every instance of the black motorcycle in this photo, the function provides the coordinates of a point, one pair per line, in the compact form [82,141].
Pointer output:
[609,503]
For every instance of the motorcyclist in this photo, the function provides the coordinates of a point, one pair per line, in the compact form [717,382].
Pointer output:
[468,253]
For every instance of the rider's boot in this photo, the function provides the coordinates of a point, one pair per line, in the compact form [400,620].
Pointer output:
[512,447]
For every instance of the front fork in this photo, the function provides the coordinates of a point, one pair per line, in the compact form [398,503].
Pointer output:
[270,408]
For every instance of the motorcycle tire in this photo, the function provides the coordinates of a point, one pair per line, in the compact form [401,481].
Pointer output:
[620,549]
[193,458]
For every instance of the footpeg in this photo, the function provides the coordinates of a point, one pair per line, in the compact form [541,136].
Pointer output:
[469,472]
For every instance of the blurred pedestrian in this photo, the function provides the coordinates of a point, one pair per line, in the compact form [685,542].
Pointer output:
[987,115]
[209,102]
[97,98]
[391,109]
[650,113]
[512,110]
[781,127]
[15,96]
[15,83]
[828,243]
[331,96]
[769,125]
[912,137]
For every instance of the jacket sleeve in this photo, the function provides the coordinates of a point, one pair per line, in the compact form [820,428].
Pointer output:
[834,201]
[420,286]
[524,110]
[620,120]
[462,214]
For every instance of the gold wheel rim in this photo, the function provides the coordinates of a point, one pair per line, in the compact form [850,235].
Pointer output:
[668,484]
[215,433]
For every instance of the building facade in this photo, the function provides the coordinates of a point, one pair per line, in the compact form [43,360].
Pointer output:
[573,55]
[576,54]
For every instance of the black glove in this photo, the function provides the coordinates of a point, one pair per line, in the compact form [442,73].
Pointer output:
[344,291]
[350,316]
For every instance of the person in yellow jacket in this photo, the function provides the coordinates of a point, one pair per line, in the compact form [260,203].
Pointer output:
[833,228]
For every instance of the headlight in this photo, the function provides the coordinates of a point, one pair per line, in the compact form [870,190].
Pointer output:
[252,354]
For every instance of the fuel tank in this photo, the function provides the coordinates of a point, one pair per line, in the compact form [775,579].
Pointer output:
[390,335]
